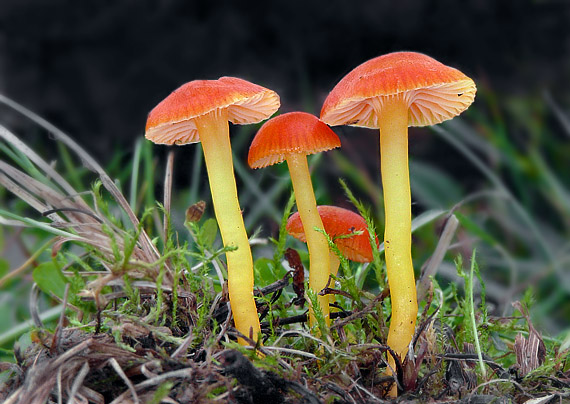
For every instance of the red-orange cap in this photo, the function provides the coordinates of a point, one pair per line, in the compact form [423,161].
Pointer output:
[294,132]
[338,222]
[171,121]
[434,92]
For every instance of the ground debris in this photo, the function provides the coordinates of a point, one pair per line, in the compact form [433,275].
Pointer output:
[49,375]
[136,362]
[257,385]
[262,387]
[530,352]
[95,368]
[459,375]
[484,399]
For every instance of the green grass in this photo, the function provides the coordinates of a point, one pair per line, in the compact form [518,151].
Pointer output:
[516,216]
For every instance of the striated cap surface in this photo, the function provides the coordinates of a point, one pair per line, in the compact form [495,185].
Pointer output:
[293,132]
[171,121]
[434,92]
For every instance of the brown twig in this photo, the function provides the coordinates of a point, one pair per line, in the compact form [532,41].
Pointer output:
[369,308]
[59,329]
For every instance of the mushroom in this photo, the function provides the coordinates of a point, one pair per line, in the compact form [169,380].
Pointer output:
[199,111]
[292,137]
[390,93]
[338,222]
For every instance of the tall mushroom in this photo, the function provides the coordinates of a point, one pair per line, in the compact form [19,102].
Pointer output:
[292,137]
[199,111]
[390,93]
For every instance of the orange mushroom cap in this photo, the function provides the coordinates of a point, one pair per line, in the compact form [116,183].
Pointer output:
[338,222]
[171,121]
[294,132]
[434,92]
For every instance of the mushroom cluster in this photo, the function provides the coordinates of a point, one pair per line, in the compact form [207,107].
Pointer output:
[199,111]
[389,93]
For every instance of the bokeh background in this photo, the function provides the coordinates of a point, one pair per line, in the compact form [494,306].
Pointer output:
[95,69]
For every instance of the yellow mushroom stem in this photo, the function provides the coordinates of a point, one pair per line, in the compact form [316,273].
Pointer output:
[316,241]
[334,265]
[214,136]
[393,121]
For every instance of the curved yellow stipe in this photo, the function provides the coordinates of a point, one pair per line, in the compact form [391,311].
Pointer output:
[398,227]
[214,135]
[316,241]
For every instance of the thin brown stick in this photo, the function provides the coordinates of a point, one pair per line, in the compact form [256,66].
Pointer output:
[59,329]
[33,306]
[127,381]
[78,382]
[31,261]
[370,307]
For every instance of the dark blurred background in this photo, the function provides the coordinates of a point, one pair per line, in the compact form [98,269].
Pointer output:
[95,68]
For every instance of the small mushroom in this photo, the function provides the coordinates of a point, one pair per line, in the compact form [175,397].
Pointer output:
[199,111]
[292,137]
[390,93]
[338,222]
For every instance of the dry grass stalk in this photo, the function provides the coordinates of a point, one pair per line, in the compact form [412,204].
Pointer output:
[72,219]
